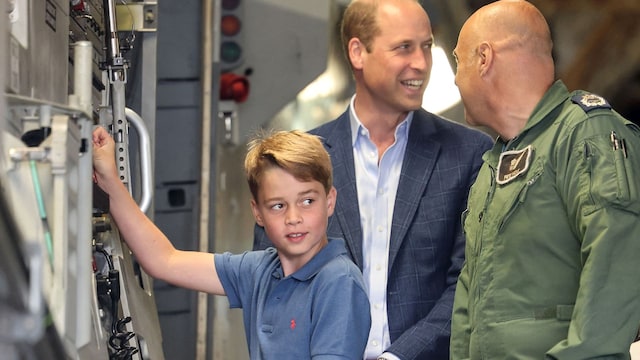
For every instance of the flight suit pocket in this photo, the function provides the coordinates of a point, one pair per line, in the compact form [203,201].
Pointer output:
[521,196]
[624,188]
[613,179]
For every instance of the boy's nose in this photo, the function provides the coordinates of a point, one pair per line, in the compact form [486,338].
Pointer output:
[293,217]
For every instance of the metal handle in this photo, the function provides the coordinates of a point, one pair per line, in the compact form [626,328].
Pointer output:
[145,158]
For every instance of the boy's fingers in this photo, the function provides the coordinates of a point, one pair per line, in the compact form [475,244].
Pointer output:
[99,135]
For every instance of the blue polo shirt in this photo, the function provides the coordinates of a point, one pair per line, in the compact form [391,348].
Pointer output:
[321,311]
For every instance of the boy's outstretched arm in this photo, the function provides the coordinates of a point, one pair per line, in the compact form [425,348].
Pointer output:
[153,250]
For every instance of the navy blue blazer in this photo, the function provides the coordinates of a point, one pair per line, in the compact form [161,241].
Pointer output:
[426,252]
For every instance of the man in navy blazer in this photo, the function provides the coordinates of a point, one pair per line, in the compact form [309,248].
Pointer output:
[426,249]
[402,176]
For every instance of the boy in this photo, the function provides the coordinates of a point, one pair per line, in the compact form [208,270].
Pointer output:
[293,296]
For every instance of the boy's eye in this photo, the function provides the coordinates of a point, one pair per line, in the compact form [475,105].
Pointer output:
[307,201]
[277,206]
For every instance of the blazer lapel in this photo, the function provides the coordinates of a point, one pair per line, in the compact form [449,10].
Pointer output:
[346,211]
[417,168]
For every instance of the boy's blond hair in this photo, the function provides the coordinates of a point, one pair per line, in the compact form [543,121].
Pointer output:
[298,153]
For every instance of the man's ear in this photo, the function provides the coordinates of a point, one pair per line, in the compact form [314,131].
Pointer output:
[256,213]
[356,50]
[485,56]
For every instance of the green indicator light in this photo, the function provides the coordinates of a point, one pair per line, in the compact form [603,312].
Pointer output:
[230,52]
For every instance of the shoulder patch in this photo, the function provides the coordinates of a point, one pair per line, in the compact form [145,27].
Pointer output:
[588,101]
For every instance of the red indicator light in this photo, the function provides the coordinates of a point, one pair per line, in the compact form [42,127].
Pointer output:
[230,25]
[234,87]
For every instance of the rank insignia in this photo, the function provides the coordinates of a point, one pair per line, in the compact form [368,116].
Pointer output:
[513,163]
[588,101]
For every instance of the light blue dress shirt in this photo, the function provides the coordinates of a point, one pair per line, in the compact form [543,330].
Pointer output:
[377,178]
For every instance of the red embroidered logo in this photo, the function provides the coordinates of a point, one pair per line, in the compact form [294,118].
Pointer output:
[292,325]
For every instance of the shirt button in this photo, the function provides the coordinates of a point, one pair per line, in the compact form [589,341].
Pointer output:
[380,229]
[378,267]
[374,343]
[377,306]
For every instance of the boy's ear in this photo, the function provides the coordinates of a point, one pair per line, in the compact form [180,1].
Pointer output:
[256,213]
[331,200]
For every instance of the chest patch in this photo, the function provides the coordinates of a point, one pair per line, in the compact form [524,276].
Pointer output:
[513,163]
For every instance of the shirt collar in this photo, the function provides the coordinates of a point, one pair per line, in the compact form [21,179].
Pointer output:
[554,97]
[402,130]
[334,248]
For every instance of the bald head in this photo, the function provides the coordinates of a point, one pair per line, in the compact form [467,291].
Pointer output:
[505,64]
[511,24]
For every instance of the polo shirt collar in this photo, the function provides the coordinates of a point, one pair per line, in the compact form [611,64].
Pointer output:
[334,248]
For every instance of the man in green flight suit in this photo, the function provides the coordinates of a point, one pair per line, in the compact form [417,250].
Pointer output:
[552,224]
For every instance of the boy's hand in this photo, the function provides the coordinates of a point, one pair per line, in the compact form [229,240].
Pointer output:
[104,163]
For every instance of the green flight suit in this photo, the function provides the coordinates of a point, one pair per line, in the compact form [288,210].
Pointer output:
[553,239]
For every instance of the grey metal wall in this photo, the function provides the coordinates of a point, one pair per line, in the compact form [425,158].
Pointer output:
[177,161]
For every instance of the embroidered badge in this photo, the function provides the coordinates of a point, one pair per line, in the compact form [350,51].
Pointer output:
[513,163]
[590,102]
